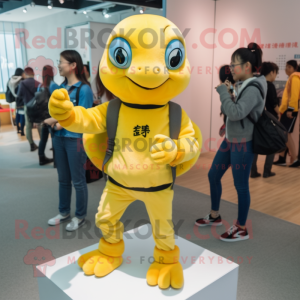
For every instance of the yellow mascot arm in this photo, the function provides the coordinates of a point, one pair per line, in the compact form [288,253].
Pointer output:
[77,119]
[187,145]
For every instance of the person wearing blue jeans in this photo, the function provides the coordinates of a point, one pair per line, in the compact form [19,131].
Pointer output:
[20,119]
[238,157]
[70,157]
[236,151]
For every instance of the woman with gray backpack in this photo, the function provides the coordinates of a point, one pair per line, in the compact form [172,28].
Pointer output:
[236,151]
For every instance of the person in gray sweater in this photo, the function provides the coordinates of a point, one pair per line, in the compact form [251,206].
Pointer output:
[236,151]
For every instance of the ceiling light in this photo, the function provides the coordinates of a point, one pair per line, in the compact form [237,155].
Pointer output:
[50,4]
[105,13]
[84,12]
[24,10]
[142,9]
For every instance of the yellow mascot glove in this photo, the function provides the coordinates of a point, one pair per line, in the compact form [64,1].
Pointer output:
[60,106]
[164,151]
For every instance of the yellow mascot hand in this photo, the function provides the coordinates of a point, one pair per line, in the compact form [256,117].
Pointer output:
[164,151]
[60,106]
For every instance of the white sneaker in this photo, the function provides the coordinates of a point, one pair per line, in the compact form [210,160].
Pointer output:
[75,224]
[58,219]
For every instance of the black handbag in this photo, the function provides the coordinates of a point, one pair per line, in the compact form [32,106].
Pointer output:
[37,107]
[269,135]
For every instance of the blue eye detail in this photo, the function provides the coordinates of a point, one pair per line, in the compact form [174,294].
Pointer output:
[175,54]
[120,53]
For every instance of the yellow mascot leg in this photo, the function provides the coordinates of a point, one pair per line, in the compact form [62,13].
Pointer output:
[166,270]
[108,257]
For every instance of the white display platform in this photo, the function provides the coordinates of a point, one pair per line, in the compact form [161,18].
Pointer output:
[206,274]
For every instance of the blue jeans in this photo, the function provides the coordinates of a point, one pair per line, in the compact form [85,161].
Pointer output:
[20,119]
[70,159]
[239,157]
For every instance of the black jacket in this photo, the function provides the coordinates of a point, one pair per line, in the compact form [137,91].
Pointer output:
[27,89]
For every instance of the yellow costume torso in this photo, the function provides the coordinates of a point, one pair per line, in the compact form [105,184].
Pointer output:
[131,164]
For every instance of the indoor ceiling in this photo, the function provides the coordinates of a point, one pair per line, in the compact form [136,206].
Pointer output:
[17,14]
[8,6]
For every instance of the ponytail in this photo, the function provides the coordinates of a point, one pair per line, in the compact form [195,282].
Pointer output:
[252,54]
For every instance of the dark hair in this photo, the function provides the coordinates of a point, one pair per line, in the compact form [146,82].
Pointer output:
[88,68]
[268,67]
[101,89]
[225,74]
[47,75]
[29,71]
[73,56]
[252,54]
[19,72]
[293,63]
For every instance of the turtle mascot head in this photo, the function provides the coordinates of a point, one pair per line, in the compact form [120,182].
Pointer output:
[145,61]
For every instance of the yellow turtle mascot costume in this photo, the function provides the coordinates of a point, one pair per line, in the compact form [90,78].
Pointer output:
[144,66]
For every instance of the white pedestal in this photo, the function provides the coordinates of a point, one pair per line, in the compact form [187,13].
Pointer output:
[206,274]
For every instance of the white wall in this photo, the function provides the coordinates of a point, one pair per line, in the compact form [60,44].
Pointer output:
[267,25]
[83,50]
[265,22]
[49,26]
[196,99]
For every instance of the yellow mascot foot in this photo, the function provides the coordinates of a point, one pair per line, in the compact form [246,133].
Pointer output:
[166,270]
[103,261]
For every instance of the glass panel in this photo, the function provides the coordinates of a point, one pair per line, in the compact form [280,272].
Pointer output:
[10,56]
[10,51]
[3,62]
[18,49]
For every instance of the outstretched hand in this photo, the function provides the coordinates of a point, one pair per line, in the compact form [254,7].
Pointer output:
[60,106]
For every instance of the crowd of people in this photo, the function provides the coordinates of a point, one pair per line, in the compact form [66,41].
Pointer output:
[239,100]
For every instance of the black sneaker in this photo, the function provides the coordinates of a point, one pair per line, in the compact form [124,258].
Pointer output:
[209,221]
[255,175]
[235,234]
[267,175]
[295,164]
[280,161]
[33,147]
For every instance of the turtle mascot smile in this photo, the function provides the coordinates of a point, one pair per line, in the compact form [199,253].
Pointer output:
[150,140]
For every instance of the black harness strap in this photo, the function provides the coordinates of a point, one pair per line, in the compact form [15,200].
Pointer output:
[145,106]
[113,109]
[150,189]
[239,96]
[175,116]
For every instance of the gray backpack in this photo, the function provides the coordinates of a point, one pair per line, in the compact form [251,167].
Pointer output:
[112,124]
